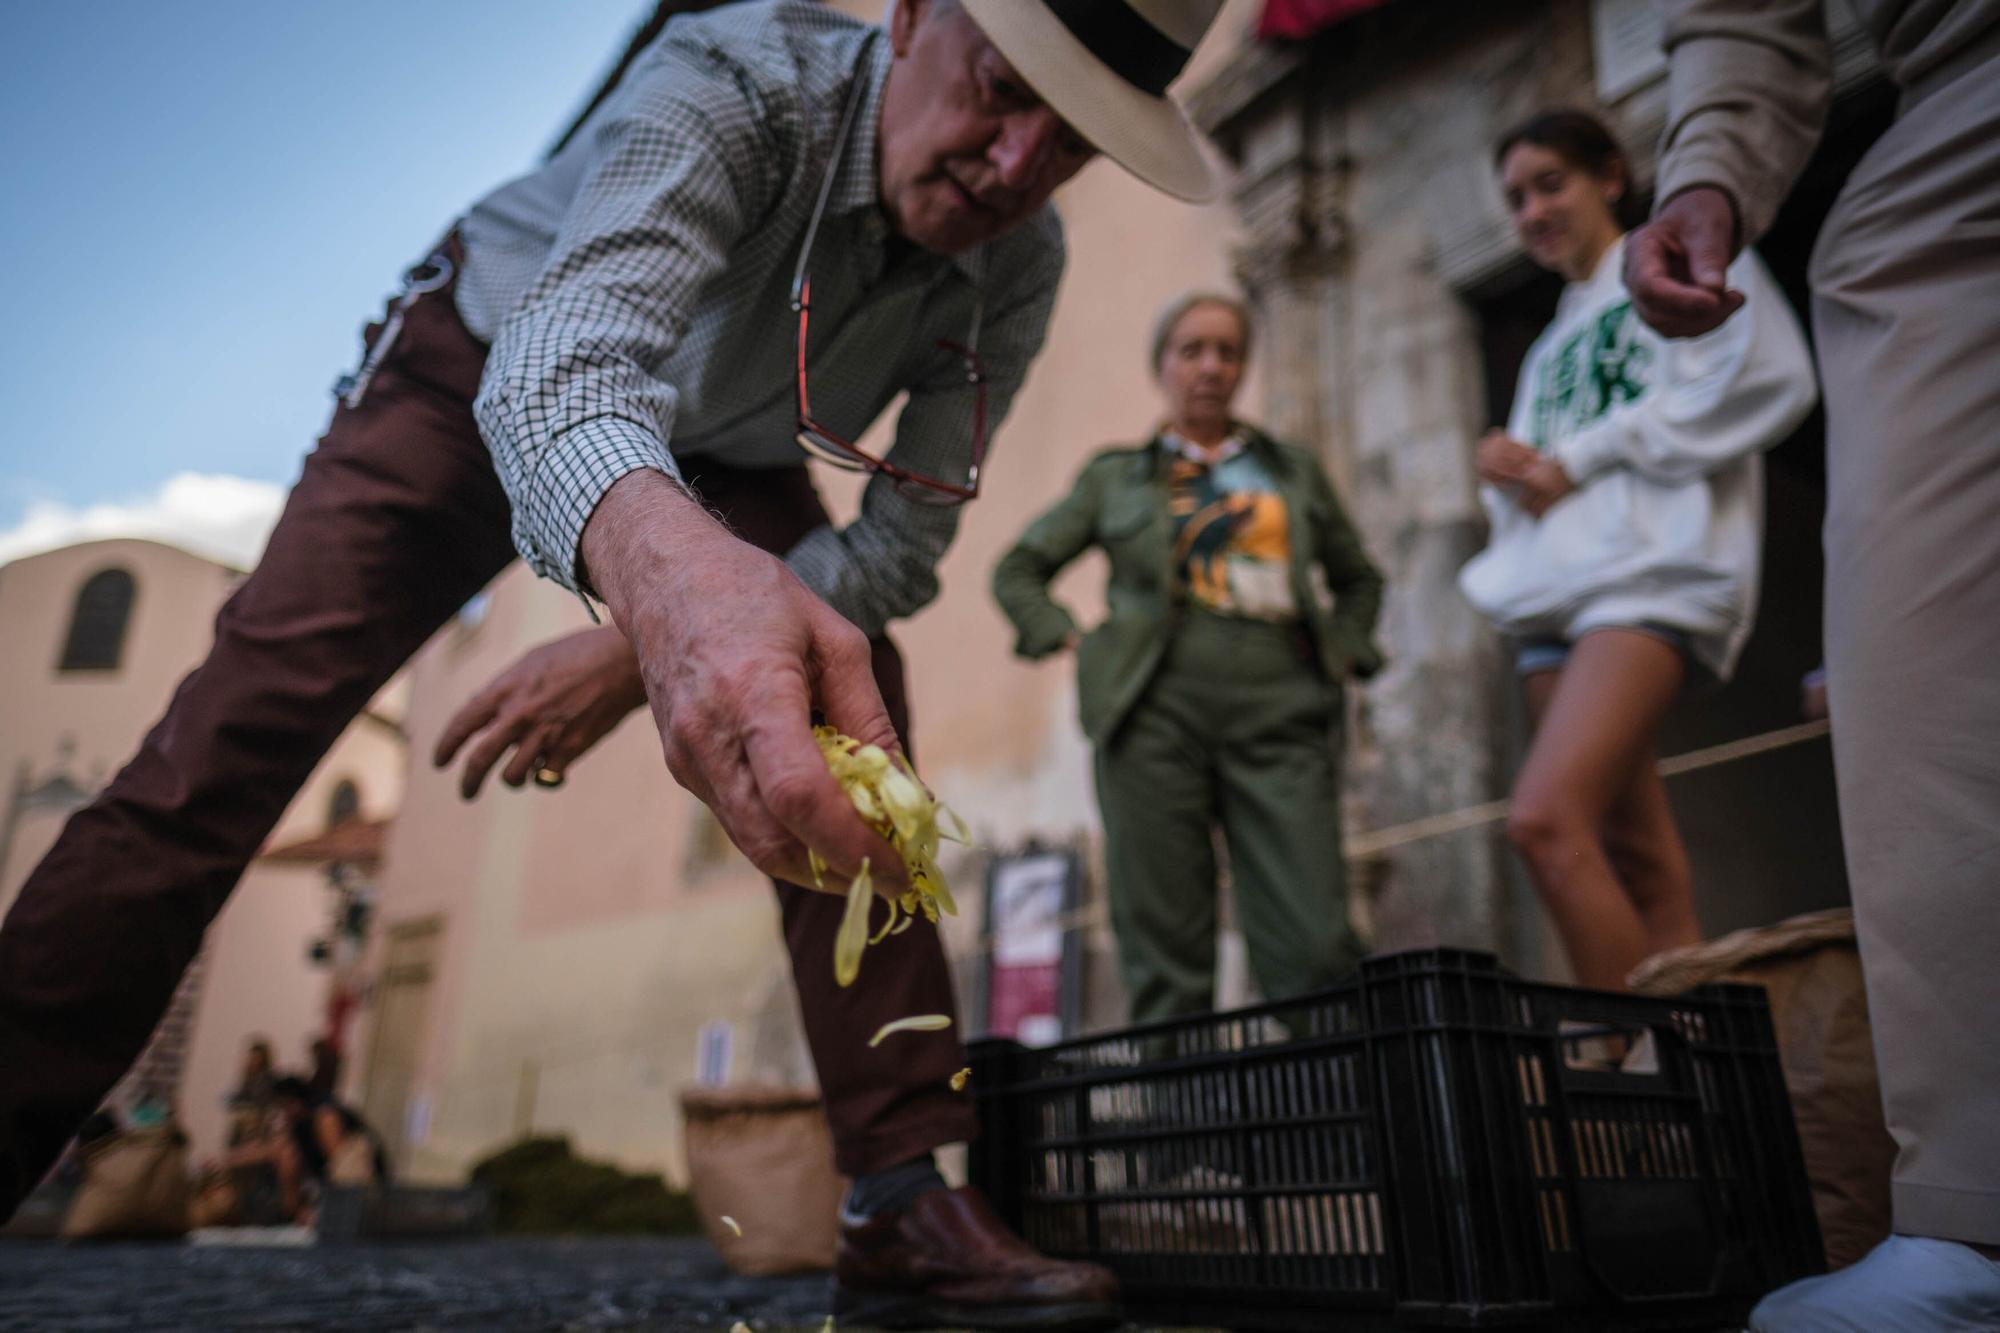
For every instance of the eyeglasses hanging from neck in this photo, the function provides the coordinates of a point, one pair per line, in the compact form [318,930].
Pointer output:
[828,445]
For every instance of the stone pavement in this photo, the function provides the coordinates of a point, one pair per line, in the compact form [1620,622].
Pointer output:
[484,1284]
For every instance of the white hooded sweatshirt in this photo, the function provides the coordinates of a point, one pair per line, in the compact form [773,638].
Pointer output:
[1662,438]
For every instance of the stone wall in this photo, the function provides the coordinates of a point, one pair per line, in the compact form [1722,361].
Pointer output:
[1366,192]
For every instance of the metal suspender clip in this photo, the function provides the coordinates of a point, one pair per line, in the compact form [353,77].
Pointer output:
[426,277]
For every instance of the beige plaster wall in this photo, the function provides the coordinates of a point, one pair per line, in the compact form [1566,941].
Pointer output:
[579,957]
[257,979]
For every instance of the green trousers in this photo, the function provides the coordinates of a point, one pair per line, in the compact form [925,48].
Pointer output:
[1236,728]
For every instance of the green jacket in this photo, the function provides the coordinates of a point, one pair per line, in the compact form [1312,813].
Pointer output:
[1120,504]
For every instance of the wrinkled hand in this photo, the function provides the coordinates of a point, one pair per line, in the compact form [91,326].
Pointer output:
[1533,478]
[1677,265]
[550,707]
[734,653]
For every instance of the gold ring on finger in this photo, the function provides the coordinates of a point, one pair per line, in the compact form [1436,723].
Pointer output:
[548,777]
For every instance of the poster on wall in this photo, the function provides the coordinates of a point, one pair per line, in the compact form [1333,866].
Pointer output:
[1030,982]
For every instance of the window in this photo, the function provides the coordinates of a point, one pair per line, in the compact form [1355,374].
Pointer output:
[97,626]
[345,803]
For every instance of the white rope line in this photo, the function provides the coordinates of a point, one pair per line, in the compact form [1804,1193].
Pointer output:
[1490,812]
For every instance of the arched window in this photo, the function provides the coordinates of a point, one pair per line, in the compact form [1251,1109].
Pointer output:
[97,627]
[345,803]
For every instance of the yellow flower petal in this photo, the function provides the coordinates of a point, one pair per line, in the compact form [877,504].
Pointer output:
[853,936]
[893,801]
[914,1023]
[730,1222]
[888,927]
[960,1079]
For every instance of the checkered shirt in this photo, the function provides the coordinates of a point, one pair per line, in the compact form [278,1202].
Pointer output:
[636,292]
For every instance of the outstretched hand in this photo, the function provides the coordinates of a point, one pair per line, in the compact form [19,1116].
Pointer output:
[550,708]
[1677,265]
[734,654]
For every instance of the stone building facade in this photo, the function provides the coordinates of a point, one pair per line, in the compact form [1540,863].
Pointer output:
[1395,308]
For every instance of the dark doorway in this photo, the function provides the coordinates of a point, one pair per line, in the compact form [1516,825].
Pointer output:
[1762,831]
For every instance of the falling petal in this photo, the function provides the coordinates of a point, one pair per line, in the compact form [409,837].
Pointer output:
[730,1222]
[914,1023]
[960,1079]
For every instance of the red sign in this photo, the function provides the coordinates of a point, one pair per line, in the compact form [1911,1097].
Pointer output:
[1025,908]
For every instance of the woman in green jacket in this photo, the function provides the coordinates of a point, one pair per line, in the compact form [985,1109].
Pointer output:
[1240,601]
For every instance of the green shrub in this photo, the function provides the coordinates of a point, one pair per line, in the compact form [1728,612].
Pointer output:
[540,1187]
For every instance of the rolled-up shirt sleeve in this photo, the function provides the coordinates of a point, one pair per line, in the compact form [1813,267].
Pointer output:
[569,401]
[883,566]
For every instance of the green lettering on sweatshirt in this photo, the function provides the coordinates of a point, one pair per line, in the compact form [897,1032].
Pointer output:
[1601,366]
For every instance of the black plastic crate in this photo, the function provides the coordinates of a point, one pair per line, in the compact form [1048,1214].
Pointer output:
[1435,1144]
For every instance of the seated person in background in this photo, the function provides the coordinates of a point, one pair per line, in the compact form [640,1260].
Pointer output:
[250,1105]
[325,1059]
[323,1141]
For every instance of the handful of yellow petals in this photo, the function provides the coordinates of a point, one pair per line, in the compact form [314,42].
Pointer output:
[889,798]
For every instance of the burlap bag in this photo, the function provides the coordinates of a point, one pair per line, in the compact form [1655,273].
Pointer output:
[1811,969]
[135,1187]
[763,1157]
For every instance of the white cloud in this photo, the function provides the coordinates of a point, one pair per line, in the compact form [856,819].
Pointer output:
[221,517]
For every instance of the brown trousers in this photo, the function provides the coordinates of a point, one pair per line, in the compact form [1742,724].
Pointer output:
[396,520]
[1906,311]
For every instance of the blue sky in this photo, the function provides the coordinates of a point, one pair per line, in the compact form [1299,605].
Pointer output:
[204,201]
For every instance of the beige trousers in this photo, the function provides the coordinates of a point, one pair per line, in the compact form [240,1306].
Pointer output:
[1906,287]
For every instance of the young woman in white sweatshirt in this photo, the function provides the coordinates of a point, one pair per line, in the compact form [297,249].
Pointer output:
[1626,502]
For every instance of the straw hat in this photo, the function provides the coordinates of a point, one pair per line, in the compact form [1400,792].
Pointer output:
[1104,66]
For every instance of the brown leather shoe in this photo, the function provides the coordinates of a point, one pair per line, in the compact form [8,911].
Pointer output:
[947,1259]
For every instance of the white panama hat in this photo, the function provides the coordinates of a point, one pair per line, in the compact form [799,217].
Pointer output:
[1104,67]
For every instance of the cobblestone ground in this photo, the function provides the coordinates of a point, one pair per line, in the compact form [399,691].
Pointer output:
[489,1284]
[493,1284]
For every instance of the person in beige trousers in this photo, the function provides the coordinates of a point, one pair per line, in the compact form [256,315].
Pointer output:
[1906,312]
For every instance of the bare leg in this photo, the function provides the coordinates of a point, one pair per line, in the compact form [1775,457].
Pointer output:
[1651,861]
[1596,728]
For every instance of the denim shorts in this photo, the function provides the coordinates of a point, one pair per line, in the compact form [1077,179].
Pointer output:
[1549,654]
